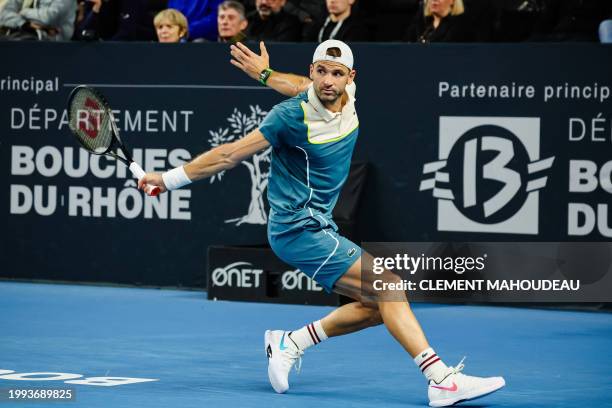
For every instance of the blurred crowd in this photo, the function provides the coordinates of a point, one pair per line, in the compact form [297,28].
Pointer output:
[421,21]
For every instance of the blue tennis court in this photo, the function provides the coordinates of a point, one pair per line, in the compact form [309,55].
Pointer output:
[210,354]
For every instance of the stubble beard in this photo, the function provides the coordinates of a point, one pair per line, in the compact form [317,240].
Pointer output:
[327,98]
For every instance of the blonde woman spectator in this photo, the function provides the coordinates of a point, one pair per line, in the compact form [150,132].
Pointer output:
[441,21]
[171,26]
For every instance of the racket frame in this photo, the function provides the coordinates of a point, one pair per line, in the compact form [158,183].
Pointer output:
[116,144]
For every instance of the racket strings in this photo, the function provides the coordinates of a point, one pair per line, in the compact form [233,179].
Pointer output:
[90,121]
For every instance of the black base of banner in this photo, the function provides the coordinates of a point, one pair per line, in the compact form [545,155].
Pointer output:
[255,274]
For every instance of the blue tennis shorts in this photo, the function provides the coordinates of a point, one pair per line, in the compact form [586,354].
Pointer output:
[314,246]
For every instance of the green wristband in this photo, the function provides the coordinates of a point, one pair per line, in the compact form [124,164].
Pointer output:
[264,75]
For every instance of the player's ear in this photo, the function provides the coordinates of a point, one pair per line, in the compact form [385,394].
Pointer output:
[352,76]
[311,70]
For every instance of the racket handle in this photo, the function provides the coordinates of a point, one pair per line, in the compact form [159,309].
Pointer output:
[139,173]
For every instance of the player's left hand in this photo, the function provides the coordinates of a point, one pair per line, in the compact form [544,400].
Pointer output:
[153,179]
[248,61]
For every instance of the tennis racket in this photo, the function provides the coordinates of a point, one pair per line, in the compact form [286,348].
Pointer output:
[91,120]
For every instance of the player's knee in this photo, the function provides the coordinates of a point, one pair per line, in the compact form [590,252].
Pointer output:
[370,309]
[386,288]
[375,318]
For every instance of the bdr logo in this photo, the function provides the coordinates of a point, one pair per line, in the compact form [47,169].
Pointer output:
[488,174]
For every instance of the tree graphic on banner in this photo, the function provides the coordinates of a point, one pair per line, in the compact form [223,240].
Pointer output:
[240,124]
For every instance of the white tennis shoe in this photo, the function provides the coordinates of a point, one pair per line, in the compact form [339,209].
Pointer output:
[282,355]
[457,387]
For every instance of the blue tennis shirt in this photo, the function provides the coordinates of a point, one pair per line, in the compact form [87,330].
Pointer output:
[311,155]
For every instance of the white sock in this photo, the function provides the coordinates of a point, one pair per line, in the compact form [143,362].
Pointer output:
[308,335]
[430,364]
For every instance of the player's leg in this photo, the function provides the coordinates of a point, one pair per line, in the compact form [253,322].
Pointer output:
[330,259]
[324,255]
[447,385]
[285,348]
[350,318]
[364,312]
[393,306]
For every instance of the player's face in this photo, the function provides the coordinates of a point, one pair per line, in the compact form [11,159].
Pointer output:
[267,7]
[168,32]
[339,6]
[330,79]
[230,23]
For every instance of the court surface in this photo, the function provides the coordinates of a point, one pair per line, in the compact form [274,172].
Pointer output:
[210,354]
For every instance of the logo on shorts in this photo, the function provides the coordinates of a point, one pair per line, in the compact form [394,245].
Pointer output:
[352,251]
[488,174]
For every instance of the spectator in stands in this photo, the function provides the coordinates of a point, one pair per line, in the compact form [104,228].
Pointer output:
[120,20]
[440,21]
[231,22]
[97,22]
[571,20]
[171,26]
[270,22]
[38,20]
[202,17]
[389,18]
[341,24]
[515,22]
[249,6]
[308,11]
[605,31]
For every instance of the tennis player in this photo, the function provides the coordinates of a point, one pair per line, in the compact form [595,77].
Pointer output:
[312,136]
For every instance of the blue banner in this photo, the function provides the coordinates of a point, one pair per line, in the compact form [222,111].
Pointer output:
[503,142]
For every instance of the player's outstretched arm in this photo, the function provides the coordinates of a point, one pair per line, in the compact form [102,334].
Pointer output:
[207,164]
[253,65]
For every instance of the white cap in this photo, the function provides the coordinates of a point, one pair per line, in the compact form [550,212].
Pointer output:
[345,58]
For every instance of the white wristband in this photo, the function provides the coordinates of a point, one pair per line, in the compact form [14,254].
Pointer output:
[175,178]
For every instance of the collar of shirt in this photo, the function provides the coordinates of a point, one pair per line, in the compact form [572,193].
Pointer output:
[325,113]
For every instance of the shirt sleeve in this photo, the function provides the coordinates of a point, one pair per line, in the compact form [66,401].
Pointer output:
[272,126]
[53,15]
[9,15]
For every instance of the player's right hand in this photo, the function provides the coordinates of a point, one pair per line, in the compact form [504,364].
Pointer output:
[251,63]
[152,179]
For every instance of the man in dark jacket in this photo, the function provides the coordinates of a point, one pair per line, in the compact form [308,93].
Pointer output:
[119,20]
[231,22]
[269,22]
[341,24]
[570,20]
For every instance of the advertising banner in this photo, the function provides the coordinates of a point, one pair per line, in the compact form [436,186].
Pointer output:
[256,274]
[465,143]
